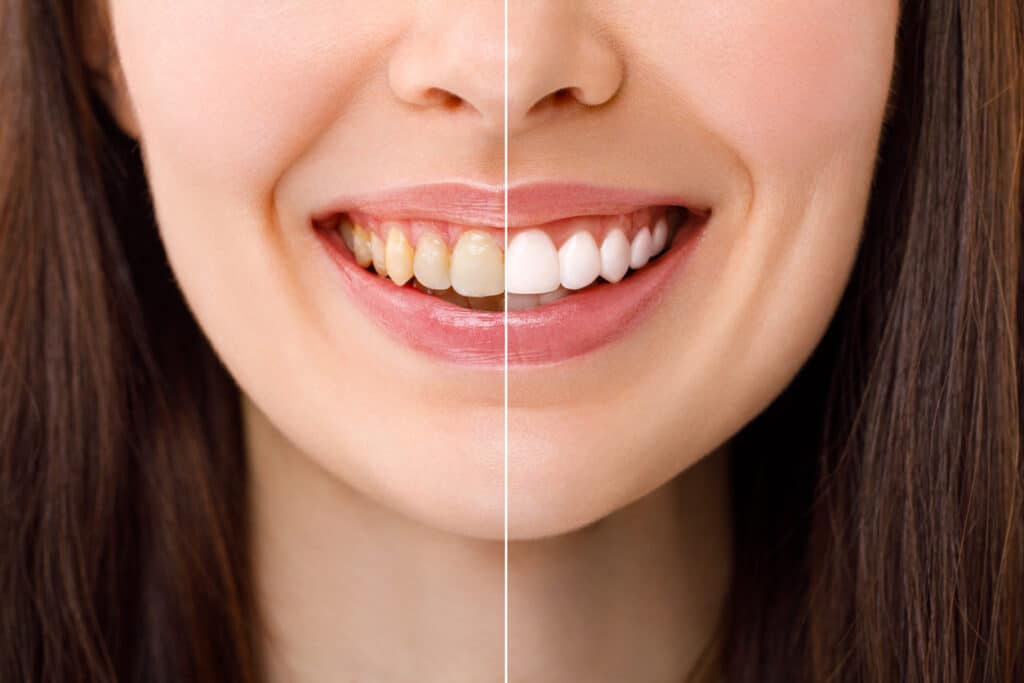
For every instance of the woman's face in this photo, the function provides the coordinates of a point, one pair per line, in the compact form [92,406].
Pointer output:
[268,128]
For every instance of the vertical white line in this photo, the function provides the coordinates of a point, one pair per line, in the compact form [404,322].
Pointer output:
[505,398]
[506,316]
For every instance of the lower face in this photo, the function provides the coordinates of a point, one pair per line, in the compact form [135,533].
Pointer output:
[673,254]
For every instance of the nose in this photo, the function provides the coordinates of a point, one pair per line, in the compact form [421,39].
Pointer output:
[454,61]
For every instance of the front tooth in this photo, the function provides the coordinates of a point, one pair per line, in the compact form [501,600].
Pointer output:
[640,252]
[659,236]
[579,260]
[477,265]
[379,255]
[532,263]
[614,256]
[398,254]
[431,263]
[361,247]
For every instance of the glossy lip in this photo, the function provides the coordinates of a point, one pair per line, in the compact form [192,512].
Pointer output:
[530,204]
[578,324]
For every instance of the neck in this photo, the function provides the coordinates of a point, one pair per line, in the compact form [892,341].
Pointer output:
[351,590]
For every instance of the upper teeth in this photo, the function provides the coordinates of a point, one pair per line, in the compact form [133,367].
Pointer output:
[477,267]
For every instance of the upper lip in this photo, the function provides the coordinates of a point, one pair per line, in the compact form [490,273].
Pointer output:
[533,203]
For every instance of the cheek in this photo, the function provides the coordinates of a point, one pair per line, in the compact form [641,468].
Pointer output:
[785,82]
[234,90]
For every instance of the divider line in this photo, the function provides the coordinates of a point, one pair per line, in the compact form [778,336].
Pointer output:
[505,402]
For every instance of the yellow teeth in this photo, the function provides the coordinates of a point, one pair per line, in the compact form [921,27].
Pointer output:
[477,265]
[431,264]
[379,257]
[399,257]
[361,247]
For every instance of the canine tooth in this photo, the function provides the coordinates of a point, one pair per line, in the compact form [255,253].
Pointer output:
[532,263]
[361,247]
[659,236]
[640,251]
[520,302]
[431,263]
[552,297]
[614,256]
[379,255]
[477,265]
[579,260]
[398,253]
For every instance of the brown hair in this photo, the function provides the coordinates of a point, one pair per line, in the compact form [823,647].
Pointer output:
[123,523]
[896,549]
[878,501]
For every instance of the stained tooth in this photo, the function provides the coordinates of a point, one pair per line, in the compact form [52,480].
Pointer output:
[379,255]
[659,236]
[520,302]
[347,235]
[580,261]
[361,247]
[640,251]
[532,263]
[477,265]
[431,263]
[552,297]
[614,256]
[399,256]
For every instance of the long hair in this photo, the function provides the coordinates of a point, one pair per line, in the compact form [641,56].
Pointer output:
[123,512]
[878,501]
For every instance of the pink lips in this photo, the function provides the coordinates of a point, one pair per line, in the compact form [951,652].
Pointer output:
[570,327]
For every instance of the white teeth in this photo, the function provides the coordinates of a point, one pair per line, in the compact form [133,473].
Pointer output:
[579,260]
[532,263]
[614,256]
[640,251]
[477,265]
[659,236]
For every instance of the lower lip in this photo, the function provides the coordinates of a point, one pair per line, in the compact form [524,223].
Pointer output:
[578,324]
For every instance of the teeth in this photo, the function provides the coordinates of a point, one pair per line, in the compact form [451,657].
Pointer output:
[379,256]
[614,256]
[399,255]
[533,263]
[477,265]
[580,261]
[431,263]
[477,274]
[659,236]
[361,247]
[640,251]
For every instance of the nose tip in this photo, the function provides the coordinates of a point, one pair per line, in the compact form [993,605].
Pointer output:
[456,63]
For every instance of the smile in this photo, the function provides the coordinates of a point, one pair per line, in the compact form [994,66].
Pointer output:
[571,283]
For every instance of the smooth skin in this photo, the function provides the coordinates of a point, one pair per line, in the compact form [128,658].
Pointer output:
[378,473]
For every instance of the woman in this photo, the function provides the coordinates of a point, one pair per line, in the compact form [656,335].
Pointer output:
[753,442]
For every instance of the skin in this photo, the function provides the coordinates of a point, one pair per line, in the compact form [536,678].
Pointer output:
[378,475]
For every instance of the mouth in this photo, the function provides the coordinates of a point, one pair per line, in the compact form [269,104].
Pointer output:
[593,262]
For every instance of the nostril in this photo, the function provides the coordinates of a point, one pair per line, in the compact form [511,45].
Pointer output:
[557,99]
[444,98]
